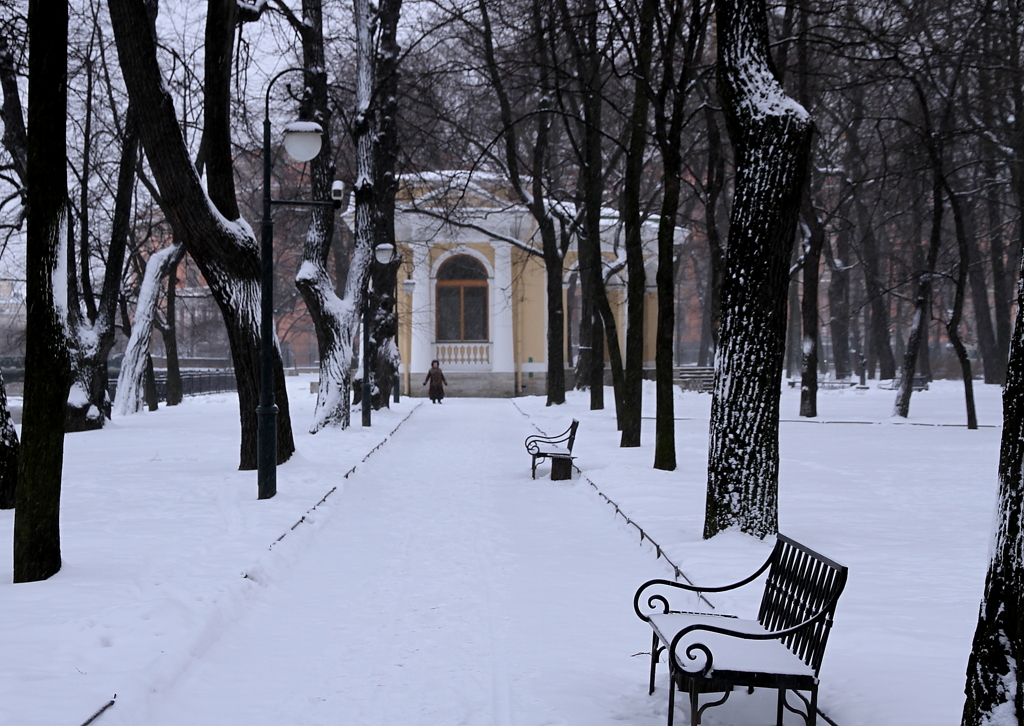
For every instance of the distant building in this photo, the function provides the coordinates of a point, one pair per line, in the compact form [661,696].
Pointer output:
[474,298]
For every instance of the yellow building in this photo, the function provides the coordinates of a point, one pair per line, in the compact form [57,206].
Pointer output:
[473,297]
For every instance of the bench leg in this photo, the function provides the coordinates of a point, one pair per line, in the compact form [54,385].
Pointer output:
[561,468]
[694,702]
[655,653]
[671,696]
[782,702]
[533,465]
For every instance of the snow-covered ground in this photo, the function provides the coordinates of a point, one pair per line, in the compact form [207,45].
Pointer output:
[438,584]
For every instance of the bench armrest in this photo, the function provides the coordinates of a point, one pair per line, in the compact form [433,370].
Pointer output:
[691,649]
[534,442]
[656,598]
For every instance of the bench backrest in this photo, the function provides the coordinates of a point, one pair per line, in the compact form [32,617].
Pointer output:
[801,583]
[572,435]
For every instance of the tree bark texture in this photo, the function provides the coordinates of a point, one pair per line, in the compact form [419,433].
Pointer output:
[223,247]
[994,687]
[771,136]
[169,333]
[47,357]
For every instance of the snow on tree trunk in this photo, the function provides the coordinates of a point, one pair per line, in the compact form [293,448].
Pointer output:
[994,689]
[771,135]
[225,249]
[130,396]
[335,319]
[89,403]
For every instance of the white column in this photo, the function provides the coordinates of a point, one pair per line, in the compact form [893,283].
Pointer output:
[503,359]
[421,350]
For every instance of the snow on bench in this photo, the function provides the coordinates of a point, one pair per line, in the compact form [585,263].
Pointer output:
[781,649]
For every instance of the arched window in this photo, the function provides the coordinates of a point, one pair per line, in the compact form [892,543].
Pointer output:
[461,300]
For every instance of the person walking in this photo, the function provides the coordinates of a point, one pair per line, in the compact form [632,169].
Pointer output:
[437,382]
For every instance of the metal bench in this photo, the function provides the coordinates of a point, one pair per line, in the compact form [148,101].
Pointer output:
[920,383]
[694,378]
[781,649]
[557,448]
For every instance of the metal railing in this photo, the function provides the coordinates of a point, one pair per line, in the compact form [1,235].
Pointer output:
[193,383]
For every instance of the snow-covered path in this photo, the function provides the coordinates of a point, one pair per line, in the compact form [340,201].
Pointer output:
[476,597]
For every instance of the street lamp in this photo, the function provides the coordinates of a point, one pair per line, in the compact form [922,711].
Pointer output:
[302,140]
[383,254]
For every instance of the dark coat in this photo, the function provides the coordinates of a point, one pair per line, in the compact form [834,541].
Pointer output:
[437,383]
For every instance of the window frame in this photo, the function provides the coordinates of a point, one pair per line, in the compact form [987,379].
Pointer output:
[461,285]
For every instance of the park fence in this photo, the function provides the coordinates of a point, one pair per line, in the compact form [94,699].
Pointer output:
[193,383]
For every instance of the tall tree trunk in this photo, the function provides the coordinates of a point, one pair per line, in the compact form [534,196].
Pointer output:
[878,347]
[665,425]
[169,333]
[535,198]
[793,312]
[771,139]
[813,244]
[131,381]
[993,363]
[588,57]
[383,352]
[922,304]
[333,306]
[14,139]
[636,281]
[716,250]
[669,119]
[839,303]
[994,686]
[953,325]
[223,246]
[809,308]
[9,448]
[15,142]
[47,357]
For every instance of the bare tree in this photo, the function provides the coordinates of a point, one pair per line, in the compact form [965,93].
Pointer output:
[221,243]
